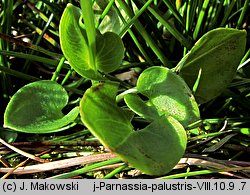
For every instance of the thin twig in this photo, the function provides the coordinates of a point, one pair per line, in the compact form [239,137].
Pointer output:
[31,156]
[13,169]
[60,164]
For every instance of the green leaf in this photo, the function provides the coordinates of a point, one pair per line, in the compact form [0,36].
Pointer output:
[109,48]
[168,94]
[103,117]
[140,107]
[217,54]
[154,150]
[37,108]
[74,43]
[110,52]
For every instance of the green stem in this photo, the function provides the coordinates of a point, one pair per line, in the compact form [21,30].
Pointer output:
[88,16]
[26,65]
[203,172]
[245,57]
[29,45]
[67,76]
[105,12]
[86,169]
[216,18]
[227,14]
[114,172]
[58,69]
[137,43]
[145,35]
[41,34]
[200,19]
[44,30]
[243,14]
[174,11]
[120,97]
[41,15]
[32,57]
[132,20]
[170,28]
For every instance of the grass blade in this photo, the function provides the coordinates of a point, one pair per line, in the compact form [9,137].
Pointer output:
[200,19]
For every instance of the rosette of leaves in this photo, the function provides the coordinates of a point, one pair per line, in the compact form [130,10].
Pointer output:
[158,147]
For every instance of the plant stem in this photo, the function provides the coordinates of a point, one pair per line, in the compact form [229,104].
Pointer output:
[145,35]
[105,12]
[58,69]
[200,19]
[88,16]
[203,172]
[132,20]
[114,172]
[86,169]
[242,15]
[67,76]
[174,11]
[170,28]
[227,13]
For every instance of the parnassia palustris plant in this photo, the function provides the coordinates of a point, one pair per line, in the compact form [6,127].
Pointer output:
[162,99]
[158,147]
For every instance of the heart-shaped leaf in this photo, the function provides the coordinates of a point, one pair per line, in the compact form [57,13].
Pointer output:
[168,94]
[157,148]
[37,108]
[217,55]
[109,49]
[154,150]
